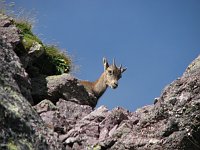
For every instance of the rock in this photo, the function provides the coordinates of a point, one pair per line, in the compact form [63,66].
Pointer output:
[163,125]
[193,67]
[21,127]
[63,86]
[44,106]
[36,50]
[9,33]
[72,110]
[62,117]
[12,73]
[171,123]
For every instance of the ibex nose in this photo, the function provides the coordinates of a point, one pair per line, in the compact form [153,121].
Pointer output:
[115,85]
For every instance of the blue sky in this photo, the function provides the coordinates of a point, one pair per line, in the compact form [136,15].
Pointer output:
[154,39]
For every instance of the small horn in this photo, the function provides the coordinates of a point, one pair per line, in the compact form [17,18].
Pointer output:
[120,67]
[123,69]
[114,62]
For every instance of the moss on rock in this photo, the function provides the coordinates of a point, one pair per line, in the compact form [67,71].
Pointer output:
[12,146]
[51,62]
[97,147]
[19,145]
[28,38]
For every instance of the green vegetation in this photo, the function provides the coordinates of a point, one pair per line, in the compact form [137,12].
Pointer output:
[17,145]
[28,37]
[53,62]
[60,59]
[50,60]
[97,147]
[12,146]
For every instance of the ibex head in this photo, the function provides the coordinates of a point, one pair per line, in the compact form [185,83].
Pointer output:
[112,73]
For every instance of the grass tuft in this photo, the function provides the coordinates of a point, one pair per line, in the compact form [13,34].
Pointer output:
[52,61]
[28,37]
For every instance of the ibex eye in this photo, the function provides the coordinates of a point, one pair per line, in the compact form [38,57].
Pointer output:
[110,72]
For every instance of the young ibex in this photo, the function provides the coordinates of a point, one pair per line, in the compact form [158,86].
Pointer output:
[109,77]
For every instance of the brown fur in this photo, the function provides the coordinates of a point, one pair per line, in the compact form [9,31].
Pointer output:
[109,77]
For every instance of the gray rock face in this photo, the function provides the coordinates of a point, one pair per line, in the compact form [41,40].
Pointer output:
[9,33]
[12,72]
[193,67]
[65,118]
[20,127]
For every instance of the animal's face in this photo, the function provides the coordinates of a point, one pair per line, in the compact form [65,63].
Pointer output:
[112,73]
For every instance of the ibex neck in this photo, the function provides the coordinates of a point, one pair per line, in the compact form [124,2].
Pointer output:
[100,86]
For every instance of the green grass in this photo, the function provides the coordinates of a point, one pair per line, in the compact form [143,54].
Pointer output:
[28,37]
[52,61]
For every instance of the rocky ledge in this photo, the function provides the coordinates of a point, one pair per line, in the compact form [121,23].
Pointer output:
[64,116]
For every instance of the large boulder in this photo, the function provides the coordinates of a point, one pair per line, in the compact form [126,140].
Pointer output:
[63,86]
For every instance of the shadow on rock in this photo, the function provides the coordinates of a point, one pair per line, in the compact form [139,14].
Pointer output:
[63,86]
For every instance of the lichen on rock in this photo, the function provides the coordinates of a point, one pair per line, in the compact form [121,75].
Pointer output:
[21,127]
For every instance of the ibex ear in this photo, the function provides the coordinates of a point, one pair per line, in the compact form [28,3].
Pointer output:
[105,63]
[123,69]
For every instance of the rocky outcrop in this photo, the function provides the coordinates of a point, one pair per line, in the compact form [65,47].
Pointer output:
[21,127]
[61,86]
[10,63]
[65,118]
[172,122]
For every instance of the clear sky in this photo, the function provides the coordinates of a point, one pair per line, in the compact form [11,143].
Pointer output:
[154,39]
